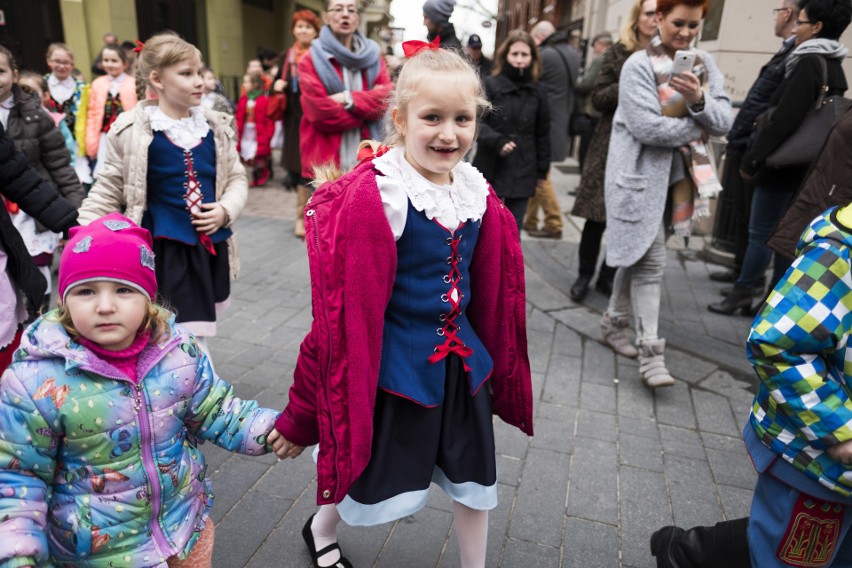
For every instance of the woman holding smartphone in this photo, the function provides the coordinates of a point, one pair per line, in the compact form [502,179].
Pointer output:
[658,156]
[819,26]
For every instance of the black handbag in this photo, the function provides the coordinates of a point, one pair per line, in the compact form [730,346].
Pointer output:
[804,145]
[581,123]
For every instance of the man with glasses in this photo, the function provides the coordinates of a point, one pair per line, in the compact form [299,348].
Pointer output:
[741,132]
[344,84]
[436,18]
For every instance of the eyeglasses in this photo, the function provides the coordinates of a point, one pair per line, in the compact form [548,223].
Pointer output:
[776,10]
[347,9]
[803,22]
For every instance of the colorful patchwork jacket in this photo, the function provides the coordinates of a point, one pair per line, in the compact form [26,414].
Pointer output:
[798,346]
[99,471]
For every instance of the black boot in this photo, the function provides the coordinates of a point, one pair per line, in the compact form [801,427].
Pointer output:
[580,288]
[739,299]
[723,544]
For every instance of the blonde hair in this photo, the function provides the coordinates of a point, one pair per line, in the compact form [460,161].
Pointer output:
[161,51]
[53,47]
[156,321]
[516,36]
[630,33]
[424,66]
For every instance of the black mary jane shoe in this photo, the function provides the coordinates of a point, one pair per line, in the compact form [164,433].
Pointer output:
[308,535]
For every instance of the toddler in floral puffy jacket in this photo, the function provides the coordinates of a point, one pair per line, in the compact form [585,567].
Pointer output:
[101,415]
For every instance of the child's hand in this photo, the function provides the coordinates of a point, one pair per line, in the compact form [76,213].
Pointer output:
[211,219]
[842,452]
[279,86]
[282,447]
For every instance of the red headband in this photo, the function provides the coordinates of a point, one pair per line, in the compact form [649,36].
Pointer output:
[413,47]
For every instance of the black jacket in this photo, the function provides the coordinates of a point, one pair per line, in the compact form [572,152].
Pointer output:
[757,100]
[448,38]
[828,184]
[37,136]
[796,95]
[520,114]
[21,184]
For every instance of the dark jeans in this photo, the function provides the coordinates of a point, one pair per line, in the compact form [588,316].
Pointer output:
[741,193]
[590,248]
[518,207]
[767,208]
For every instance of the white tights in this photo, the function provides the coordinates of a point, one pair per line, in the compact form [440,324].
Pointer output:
[471,532]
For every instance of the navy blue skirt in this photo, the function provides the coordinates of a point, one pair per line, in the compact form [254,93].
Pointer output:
[190,280]
[451,445]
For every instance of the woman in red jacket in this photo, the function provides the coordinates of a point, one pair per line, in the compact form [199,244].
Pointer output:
[255,129]
[345,87]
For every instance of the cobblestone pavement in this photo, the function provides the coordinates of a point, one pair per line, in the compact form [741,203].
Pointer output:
[611,461]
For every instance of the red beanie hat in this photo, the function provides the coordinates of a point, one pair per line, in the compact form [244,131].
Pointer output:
[112,248]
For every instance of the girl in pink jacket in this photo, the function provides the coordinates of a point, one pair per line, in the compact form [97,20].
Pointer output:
[110,95]
[419,331]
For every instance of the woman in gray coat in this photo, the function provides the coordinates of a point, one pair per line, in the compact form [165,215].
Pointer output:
[657,157]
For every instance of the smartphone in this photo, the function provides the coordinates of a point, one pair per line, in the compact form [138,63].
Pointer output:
[683,61]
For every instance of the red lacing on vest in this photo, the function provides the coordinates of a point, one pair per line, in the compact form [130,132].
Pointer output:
[452,342]
[193,197]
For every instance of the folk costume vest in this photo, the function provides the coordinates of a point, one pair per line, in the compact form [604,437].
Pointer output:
[176,176]
[425,319]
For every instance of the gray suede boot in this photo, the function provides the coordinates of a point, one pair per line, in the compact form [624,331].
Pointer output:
[614,335]
[652,364]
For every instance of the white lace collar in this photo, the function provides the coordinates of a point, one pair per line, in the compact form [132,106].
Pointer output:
[464,198]
[184,132]
[67,82]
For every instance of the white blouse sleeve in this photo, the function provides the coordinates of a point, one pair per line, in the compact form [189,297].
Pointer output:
[395,203]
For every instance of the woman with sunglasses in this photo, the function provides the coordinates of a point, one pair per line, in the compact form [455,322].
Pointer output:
[818,29]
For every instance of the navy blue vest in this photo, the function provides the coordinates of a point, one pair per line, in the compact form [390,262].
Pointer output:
[425,319]
[169,168]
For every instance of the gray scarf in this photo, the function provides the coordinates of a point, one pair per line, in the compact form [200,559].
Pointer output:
[829,48]
[366,56]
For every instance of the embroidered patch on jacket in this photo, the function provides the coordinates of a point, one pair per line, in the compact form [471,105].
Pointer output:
[147,257]
[811,537]
[83,244]
[116,225]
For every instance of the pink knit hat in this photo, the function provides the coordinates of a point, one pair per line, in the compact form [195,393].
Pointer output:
[111,248]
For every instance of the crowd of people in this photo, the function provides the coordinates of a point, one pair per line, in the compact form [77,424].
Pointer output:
[411,196]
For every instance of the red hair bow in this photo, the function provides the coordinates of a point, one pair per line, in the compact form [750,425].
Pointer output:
[367,153]
[414,46]
[139,46]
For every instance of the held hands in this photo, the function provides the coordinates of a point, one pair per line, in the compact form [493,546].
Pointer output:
[507,148]
[211,219]
[688,85]
[842,452]
[282,447]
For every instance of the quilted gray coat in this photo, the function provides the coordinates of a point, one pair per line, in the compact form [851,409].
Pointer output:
[641,150]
